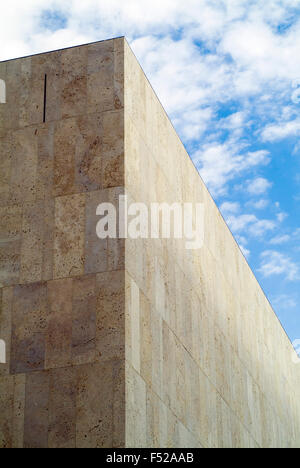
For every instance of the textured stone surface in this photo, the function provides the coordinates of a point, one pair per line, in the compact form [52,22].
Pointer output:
[208,363]
[113,343]
[62,290]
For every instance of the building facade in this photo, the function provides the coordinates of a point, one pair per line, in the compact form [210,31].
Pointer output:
[122,342]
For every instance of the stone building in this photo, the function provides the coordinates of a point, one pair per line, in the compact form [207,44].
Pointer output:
[114,342]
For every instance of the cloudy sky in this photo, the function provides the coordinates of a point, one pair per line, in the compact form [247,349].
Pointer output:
[228,74]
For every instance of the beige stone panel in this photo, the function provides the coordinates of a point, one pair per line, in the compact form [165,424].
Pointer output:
[29,328]
[136,261]
[208,412]
[100,90]
[53,111]
[208,351]
[163,428]
[24,96]
[45,163]
[105,86]
[132,156]
[62,408]
[131,71]
[160,289]
[169,285]
[73,94]
[10,111]
[169,368]
[84,310]
[77,155]
[113,149]
[88,152]
[135,326]
[24,165]
[119,404]
[10,237]
[64,162]
[100,57]
[58,346]
[157,418]
[110,315]
[183,302]
[240,437]
[223,424]
[146,340]
[119,72]
[116,246]
[98,424]
[157,352]
[174,374]
[18,410]
[36,420]
[50,65]
[196,318]
[5,168]
[180,405]
[192,394]
[30,94]
[32,242]
[31,101]
[6,411]
[136,402]
[127,308]
[254,424]
[185,439]
[69,236]
[222,356]
[116,254]
[48,239]
[96,250]
[73,81]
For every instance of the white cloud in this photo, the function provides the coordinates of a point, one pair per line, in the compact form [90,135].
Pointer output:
[278,240]
[241,239]
[259,228]
[220,163]
[239,223]
[249,223]
[284,302]
[281,216]
[296,233]
[258,186]
[281,130]
[276,263]
[260,204]
[230,207]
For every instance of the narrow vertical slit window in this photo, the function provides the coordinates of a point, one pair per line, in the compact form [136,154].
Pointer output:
[45,98]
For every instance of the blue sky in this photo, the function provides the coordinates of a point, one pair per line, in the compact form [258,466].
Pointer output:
[228,74]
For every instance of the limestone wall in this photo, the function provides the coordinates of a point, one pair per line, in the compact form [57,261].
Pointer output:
[207,361]
[62,289]
[110,343]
